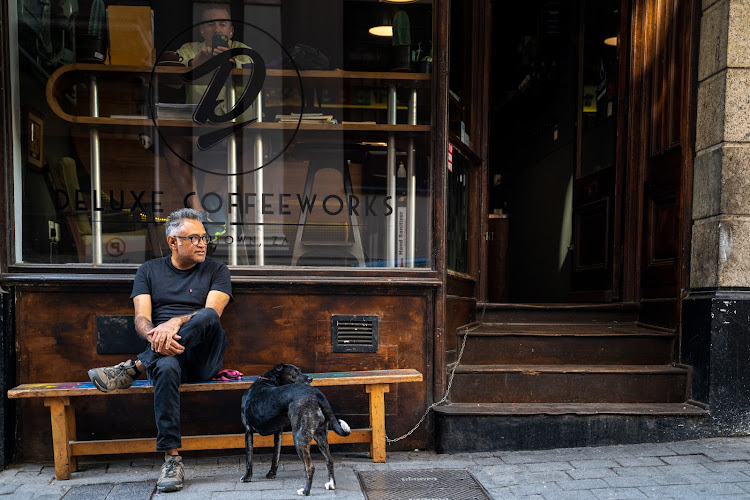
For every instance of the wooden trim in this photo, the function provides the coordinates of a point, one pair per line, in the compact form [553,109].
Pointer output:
[688,140]
[7,250]
[440,34]
[634,152]
[428,279]
[621,164]
[464,149]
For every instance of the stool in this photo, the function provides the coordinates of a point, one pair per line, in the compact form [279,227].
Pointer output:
[354,248]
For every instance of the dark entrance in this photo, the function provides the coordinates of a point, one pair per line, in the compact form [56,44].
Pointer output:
[591,143]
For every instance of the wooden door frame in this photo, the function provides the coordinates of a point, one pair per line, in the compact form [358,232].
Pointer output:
[638,144]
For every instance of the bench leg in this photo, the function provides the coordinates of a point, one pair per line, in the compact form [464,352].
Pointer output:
[61,430]
[377,420]
[70,418]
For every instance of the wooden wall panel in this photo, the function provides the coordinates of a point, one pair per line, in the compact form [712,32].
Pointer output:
[459,311]
[56,341]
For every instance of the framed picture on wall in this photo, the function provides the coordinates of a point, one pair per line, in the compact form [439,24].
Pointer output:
[35,140]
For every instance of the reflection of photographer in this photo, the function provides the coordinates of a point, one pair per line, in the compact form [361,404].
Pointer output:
[217,34]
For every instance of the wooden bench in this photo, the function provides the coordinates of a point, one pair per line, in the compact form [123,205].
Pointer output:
[57,396]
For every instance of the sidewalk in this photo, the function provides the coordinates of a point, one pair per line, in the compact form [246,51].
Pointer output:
[701,469]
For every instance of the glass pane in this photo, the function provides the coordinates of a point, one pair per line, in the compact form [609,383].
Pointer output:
[458,214]
[303,138]
[600,90]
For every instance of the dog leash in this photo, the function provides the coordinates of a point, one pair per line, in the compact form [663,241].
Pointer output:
[450,382]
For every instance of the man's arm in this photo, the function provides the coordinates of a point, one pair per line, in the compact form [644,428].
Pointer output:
[217,301]
[163,338]
[143,324]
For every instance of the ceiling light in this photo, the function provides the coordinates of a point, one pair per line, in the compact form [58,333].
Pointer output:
[381,30]
[611,41]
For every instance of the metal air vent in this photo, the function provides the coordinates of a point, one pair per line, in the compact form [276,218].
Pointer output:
[354,333]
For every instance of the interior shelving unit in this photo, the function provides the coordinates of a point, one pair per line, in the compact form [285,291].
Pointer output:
[68,76]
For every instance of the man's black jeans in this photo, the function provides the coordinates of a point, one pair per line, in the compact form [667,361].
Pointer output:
[205,343]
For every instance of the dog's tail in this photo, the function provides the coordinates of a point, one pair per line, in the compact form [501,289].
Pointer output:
[339,426]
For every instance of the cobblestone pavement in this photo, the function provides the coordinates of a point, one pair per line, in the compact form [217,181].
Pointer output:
[700,469]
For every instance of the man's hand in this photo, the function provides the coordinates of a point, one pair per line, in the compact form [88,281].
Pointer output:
[164,338]
[207,53]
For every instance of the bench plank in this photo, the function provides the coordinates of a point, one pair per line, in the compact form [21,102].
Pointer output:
[59,389]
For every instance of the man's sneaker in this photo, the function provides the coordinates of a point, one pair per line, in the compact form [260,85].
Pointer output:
[172,473]
[109,378]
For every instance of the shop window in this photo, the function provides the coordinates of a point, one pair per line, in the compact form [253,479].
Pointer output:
[313,151]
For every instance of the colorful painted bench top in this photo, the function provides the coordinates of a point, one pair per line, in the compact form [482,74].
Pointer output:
[57,389]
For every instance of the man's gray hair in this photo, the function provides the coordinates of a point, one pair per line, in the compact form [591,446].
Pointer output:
[176,219]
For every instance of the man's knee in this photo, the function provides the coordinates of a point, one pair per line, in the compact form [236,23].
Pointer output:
[166,368]
[207,317]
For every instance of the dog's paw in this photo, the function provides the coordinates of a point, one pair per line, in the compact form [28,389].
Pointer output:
[271,474]
[246,478]
[331,485]
[301,491]
[345,426]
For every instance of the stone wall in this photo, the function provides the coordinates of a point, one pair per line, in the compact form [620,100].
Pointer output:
[716,315]
[721,193]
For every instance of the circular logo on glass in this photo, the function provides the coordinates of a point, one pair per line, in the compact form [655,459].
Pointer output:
[220,97]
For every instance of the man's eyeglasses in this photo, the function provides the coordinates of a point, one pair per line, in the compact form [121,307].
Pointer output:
[196,239]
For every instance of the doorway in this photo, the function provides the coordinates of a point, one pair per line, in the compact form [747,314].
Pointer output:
[555,165]
[592,132]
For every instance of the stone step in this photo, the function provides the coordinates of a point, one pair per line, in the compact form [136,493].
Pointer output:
[571,383]
[551,313]
[467,427]
[568,343]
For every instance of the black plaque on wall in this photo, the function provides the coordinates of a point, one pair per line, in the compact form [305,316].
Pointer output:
[116,335]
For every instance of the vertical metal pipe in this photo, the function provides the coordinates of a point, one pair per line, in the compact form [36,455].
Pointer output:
[154,135]
[260,232]
[411,185]
[390,224]
[96,177]
[232,215]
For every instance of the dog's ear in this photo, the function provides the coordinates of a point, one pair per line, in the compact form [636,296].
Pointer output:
[279,368]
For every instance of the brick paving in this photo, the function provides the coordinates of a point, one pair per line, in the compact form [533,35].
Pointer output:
[700,469]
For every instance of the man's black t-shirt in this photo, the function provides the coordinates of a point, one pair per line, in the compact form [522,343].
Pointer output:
[175,292]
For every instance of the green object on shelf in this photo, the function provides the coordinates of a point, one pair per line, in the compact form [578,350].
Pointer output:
[401,29]
[96,20]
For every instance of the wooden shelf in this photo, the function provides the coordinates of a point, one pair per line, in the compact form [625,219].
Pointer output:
[69,75]
[327,127]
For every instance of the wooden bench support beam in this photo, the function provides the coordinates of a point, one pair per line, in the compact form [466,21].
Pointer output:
[377,420]
[213,442]
[61,435]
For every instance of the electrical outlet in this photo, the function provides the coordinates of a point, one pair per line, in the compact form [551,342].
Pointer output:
[53,229]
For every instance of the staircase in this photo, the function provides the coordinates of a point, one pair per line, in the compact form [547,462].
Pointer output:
[546,376]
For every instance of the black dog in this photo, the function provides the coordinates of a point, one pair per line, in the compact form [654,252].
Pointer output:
[282,397]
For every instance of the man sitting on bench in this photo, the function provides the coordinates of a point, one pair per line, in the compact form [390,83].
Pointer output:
[178,300]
